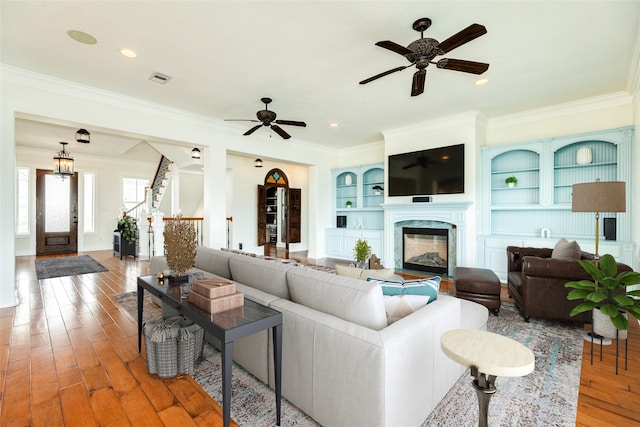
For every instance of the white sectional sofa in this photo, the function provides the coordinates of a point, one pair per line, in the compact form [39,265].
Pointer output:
[342,364]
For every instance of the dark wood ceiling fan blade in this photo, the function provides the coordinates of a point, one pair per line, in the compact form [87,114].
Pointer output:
[291,123]
[394,47]
[277,129]
[386,73]
[418,82]
[252,130]
[241,120]
[473,31]
[462,65]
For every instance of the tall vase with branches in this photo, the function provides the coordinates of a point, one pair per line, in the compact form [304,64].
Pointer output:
[180,247]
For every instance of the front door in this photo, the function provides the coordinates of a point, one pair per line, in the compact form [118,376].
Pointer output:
[56,213]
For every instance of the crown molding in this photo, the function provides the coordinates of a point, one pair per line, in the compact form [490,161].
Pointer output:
[440,123]
[615,99]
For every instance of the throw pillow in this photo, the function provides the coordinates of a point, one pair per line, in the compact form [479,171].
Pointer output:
[399,306]
[345,270]
[566,250]
[426,287]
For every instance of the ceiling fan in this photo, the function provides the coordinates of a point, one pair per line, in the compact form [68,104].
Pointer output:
[422,52]
[267,117]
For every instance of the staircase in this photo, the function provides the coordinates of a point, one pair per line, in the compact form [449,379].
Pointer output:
[160,182]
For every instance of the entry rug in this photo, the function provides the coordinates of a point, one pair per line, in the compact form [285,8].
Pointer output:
[546,397]
[67,266]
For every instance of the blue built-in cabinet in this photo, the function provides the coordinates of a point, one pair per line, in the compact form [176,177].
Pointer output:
[537,210]
[363,187]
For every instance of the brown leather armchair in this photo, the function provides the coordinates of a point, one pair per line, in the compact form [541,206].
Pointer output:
[536,283]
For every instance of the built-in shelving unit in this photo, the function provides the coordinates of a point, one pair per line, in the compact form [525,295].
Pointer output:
[364,214]
[540,203]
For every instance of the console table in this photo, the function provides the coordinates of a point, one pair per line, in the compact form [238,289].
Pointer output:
[488,355]
[226,326]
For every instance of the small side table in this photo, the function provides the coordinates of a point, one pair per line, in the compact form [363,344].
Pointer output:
[489,356]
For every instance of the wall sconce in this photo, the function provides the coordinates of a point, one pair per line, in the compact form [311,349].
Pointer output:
[63,163]
[257,163]
[83,136]
[195,153]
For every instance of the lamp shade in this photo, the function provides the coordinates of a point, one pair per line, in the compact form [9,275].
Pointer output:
[599,197]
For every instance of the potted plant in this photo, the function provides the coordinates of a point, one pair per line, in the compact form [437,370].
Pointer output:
[606,295]
[128,228]
[511,181]
[361,252]
[348,204]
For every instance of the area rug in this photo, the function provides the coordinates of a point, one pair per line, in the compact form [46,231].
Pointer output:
[547,397]
[67,266]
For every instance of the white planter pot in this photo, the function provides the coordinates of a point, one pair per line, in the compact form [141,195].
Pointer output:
[602,325]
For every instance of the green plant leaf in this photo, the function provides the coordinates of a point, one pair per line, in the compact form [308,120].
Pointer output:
[582,284]
[620,322]
[609,309]
[624,300]
[577,294]
[596,297]
[591,269]
[585,306]
[608,265]
[629,278]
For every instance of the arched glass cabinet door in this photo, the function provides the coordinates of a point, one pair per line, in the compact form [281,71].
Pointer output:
[279,210]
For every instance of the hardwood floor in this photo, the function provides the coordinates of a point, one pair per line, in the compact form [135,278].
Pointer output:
[68,356]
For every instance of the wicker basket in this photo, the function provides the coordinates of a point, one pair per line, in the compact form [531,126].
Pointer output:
[190,344]
[173,345]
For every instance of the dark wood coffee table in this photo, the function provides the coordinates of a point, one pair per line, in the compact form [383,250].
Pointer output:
[226,326]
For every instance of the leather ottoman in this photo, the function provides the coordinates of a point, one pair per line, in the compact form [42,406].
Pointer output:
[478,285]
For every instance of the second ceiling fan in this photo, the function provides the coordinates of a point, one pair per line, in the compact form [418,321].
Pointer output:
[422,52]
[267,118]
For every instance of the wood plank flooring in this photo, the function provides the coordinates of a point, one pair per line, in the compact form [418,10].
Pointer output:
[68,356]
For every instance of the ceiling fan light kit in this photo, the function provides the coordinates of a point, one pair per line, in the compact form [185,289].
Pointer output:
[423,51]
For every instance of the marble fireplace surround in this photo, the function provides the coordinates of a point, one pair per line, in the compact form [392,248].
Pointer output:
[453,215]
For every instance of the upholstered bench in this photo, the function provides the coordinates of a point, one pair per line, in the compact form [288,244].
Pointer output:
[478,285]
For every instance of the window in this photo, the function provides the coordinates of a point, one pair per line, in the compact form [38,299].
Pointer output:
[133,192]
[22,205]
[89,202]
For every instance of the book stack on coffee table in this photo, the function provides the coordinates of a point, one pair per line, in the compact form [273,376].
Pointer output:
[215,295]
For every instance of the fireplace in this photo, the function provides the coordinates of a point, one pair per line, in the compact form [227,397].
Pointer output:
[425,249]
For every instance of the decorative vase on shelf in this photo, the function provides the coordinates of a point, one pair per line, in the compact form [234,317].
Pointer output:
[583,156]
[347,180]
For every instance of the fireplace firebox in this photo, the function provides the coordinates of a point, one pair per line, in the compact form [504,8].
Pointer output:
[425,249]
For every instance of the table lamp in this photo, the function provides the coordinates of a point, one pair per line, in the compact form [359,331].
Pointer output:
[599,197]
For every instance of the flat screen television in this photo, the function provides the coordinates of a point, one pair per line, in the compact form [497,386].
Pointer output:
[427,172]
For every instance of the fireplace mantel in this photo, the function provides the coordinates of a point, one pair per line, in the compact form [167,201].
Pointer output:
[456,213]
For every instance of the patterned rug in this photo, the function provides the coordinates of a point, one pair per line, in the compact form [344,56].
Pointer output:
[67,266]
[547,397]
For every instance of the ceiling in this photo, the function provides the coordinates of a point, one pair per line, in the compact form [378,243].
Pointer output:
[223,56]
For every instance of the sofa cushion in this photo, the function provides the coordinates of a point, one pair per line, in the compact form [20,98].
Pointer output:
[399,306]
[566,250]
[349,299]
[214,261]
[345,270]
[267,276]
[384,273]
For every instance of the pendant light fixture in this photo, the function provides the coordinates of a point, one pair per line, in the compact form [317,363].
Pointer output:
[257,163]
[63,163]
[83,136]
[195,153]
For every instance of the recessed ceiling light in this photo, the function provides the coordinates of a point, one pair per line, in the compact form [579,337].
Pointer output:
[334,125]
[482,81]
[128,53]
[82,37]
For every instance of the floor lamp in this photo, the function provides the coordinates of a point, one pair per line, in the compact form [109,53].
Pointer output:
[599,197]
